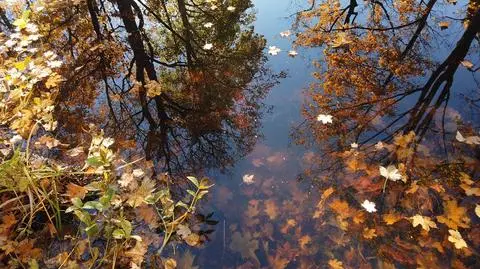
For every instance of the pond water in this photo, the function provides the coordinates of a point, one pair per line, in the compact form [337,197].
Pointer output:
[280,219]
[337,134]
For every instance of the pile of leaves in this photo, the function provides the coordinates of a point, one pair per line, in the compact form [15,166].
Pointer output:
[75,206]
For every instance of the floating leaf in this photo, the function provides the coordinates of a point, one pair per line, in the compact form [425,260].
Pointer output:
[444,25]
[325,118]
[369,206]
[335,264]
[456,238]
[369,233]
[454,216]
[392,218]
[425,222]
[248,179]
[390,172]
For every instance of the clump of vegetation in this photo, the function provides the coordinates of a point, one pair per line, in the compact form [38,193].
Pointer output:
[98,208]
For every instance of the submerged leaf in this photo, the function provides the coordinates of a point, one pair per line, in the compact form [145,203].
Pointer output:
[246,245]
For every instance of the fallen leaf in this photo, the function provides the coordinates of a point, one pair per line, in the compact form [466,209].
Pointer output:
[76,191]
[278,262]
[320,205]
[469,191]
[467,64]
[425,222]
[369,233]
[392,218]
[246,245]
[248,179]
[369,206]
[444,25]
[456,238]
[477,210]
[192,239]
[335,264]
[148,215]
[271,209]
[170,264]
[304,241]
[137,253]
[454,216]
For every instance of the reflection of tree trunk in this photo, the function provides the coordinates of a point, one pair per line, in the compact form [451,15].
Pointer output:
[443,74]
[351,12]
[93,10]
[421,24]
[187,35]
[143,64]
[141,59]
[5,20]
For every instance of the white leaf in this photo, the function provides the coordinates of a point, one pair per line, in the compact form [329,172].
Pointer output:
[273,50]
[391,172]
[325,118]
[369,206]
[248,179]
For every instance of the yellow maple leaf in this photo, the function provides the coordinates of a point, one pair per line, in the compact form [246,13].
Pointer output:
[335,264]
[425,222]
[320,205]
[369,233]
[341,208]
[392,218]
[304,241]
[454,216]
[456,238]
[469,191]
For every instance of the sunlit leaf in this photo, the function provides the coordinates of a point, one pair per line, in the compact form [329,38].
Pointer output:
[456,238]
[425,222]
[454,216]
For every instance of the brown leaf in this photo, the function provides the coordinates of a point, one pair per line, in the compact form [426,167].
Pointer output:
[148,215]
[271,209]
[320,206]
[369,233]
[454,216]
[76,191]
[335,264]
[246,245]
[392,218]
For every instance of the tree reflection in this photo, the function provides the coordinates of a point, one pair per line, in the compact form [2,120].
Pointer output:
[389,88]
[183,79]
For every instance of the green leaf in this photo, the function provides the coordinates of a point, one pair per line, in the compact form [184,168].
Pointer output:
[201,194]
[105,199]
[77,202]
[192,193]
[83,216]
[94,161]
[93,205]
[193,180]
[118,234]
[181,204]
[33,264]
[92,230]
[126,227]
[70,209]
